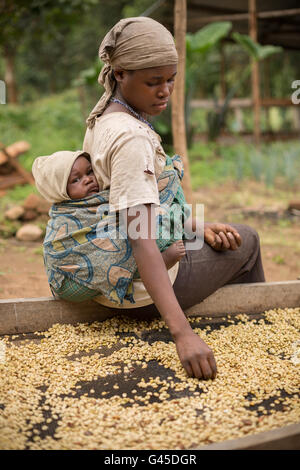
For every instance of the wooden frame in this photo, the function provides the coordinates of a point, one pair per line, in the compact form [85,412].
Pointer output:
[38,314]
[245,16]
[285,438]
[29,315]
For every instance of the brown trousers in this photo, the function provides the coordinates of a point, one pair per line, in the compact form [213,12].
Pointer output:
[202,272]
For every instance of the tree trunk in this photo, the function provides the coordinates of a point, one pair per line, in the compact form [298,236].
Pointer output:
[9,77]
[178,121]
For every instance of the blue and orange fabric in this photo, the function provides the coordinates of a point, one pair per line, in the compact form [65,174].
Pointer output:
[87,246]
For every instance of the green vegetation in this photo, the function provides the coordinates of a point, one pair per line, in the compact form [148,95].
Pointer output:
[44,44]
[49,124]
[57,123]
[48,60]
[274,164]
[278,259]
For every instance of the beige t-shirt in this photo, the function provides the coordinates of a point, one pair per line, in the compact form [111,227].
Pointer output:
[127,159]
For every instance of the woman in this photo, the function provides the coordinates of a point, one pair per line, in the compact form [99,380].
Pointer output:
[140,68]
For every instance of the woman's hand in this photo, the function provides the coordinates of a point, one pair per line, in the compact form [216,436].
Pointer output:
[195,356]
[221,237]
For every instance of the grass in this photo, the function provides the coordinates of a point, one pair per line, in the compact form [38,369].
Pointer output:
[275,164]
[17,194]
[39,251]
[278,259]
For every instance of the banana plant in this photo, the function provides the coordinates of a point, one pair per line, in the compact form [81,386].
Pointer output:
[257,52]
[202,62]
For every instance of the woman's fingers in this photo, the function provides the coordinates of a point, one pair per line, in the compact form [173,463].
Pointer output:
[196,357]
[207,371]
[203,368]
[209,236]
[235,234]
[197,372]
[213,365]
[225,242]
[224,237]
[188,368]
[232,241]
[217,242]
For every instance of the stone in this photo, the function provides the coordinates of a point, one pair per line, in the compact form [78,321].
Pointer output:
[29,232]
[29,214]
[31,202]
[294,205]
[14,213]
[43,206]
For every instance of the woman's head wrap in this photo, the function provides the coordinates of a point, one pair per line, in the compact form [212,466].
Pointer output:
[51,174]
[132,44]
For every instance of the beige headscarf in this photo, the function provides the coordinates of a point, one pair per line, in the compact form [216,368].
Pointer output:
[51,174]
[132,44]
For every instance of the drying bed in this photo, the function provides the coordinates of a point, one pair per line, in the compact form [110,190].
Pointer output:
[118,384]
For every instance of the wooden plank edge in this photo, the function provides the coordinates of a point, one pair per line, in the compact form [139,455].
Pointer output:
[37,314]
[249,298]
[284,438]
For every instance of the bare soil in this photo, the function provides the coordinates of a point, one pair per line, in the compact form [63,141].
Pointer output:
[22,273]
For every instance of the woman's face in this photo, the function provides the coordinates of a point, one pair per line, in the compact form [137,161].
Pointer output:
[147,90]
[82,180]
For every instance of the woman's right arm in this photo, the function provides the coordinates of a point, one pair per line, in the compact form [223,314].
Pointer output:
[195,356]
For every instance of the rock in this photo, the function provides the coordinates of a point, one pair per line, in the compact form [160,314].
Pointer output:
[37,203]
[29,214]
[294,205]
[43,206]
[31,202]
[29,232]
[14,213]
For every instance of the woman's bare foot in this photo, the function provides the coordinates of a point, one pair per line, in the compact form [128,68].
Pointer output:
[173,254]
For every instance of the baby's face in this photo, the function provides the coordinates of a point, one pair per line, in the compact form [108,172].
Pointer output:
[82,181]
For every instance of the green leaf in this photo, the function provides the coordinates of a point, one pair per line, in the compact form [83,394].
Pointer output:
[266,51]
[248,44]
[255,50]
[208,36]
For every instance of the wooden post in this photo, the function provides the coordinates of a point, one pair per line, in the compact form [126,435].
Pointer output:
[178,122]
[267,89]
[9,78]
[222,71]
[255,72]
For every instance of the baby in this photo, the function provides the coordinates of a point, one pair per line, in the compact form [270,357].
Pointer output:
[68,176]
[82,183]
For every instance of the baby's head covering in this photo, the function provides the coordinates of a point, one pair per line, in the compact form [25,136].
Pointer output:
[51,174]
[132,44]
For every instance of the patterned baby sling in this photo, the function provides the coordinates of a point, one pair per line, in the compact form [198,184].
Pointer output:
[86,243]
